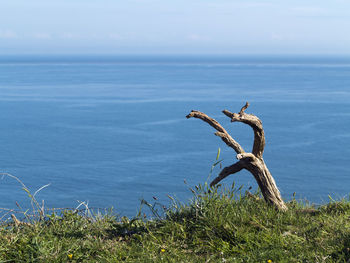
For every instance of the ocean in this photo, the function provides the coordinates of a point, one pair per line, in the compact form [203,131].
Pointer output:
[111,130]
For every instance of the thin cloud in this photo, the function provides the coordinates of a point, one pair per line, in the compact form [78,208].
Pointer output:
[197,37]
[115,36]
[42,36]
[309,11]
[8,34]
[320,13]
[282,37]
[68,35]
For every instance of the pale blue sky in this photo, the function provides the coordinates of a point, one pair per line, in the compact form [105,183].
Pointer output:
[175,27]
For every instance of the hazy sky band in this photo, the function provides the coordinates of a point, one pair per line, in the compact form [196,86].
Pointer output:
[181,26]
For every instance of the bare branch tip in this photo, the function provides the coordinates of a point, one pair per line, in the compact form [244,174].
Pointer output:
[227,113]
[220,134]
[244,108]
[190,114]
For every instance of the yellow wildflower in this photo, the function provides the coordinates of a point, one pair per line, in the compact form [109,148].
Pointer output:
[70,256]
[269,261]
[162,250]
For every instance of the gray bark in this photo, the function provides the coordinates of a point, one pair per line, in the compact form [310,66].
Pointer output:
[253,162]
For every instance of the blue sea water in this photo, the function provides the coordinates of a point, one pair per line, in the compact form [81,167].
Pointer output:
[112,130]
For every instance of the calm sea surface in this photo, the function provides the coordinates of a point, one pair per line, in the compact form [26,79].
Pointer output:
[112,130]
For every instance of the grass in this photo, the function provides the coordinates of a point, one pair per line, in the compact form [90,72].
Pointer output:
[220,225]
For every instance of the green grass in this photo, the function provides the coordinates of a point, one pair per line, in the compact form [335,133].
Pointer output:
[219,226]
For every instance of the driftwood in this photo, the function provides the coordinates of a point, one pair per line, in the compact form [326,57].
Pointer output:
[253,162]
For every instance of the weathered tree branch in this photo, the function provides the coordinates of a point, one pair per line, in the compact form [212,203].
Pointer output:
[241,156]
[255,123]
[244,108]
[234,168]
[253,162]
[221,132]
[266,183]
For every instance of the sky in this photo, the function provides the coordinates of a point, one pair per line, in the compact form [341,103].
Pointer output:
[174,27]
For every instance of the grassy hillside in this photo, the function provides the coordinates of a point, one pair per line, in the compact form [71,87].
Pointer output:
[221,226]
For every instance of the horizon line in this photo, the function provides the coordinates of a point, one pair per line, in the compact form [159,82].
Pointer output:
[175,54]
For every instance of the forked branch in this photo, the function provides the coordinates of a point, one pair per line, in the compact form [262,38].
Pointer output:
[253,162]
[255,123]
[221,132]
[234,168]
